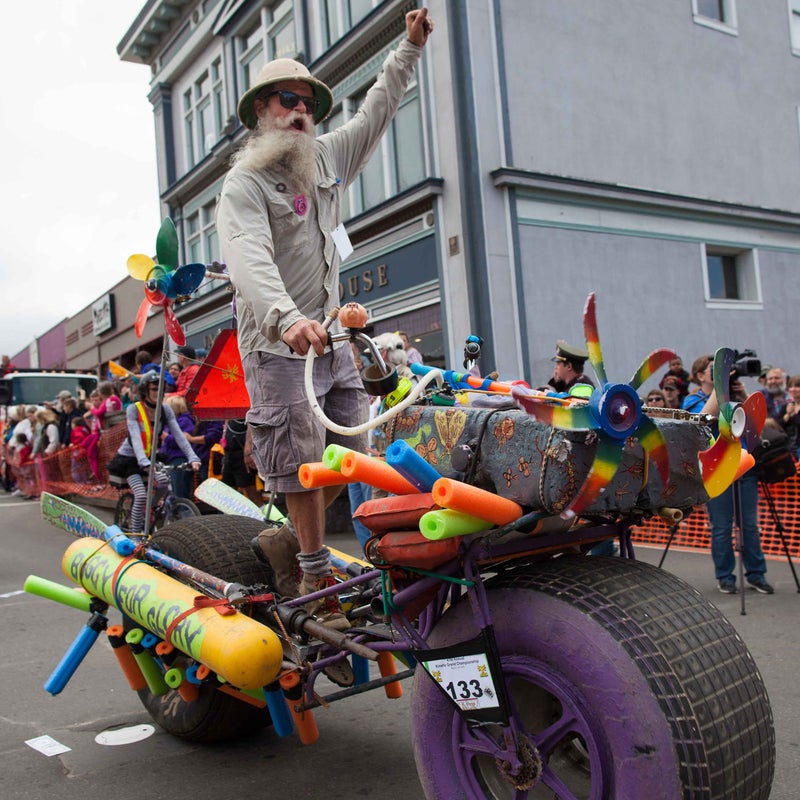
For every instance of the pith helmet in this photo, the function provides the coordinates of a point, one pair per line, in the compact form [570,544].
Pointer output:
[284,69]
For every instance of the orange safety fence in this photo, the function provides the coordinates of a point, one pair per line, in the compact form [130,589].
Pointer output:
[694,532]
[67,471]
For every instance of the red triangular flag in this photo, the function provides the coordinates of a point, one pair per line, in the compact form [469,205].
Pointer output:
[218,390]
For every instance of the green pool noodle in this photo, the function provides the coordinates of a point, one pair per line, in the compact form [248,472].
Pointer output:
[173,677]
[445,524]
[147,664]
[56,591]
[333,455]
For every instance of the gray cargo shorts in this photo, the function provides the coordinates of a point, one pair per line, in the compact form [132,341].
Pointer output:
[285,433]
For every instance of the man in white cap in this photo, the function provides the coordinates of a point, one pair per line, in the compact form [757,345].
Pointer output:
[279,223]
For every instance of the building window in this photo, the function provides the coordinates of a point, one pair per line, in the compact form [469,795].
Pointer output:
[335,120]
[719,14]
[202,113]
[794,25]
[731,275]
[202,242]
[341,16]
[399,160]
[273,36]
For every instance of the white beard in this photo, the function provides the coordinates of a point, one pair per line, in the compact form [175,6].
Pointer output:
[273,145]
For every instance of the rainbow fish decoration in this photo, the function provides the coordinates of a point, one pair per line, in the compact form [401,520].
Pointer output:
[614,410]
[720,464]
[164,280]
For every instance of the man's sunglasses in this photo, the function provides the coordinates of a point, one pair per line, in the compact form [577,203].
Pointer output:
[290,100]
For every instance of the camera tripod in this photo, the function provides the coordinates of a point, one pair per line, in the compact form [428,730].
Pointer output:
[776,521]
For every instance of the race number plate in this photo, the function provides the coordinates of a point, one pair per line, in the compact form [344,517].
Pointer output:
[469,676]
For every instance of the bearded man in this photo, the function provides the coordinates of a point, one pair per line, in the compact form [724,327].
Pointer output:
[279,224]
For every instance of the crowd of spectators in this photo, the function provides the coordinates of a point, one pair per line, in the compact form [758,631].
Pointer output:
[67,422]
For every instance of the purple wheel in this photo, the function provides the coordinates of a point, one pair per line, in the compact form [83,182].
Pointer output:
[624,682]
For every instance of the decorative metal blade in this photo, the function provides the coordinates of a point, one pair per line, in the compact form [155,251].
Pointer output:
[719,465]
[167,244]
[173,327]
[723,364]
[604,467]
[655,447]
[655,360]
[593,340]
[139,266]
[187,278]
[569,417]
[755,408]
[141,317]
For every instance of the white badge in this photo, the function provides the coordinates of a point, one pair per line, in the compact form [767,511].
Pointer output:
[466,680]
[342,241]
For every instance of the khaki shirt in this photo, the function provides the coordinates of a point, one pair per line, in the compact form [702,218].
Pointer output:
[283,264]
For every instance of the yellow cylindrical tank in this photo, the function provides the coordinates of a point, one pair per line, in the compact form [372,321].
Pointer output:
[244,652]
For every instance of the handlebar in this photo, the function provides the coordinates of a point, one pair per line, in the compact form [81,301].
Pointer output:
[381,419]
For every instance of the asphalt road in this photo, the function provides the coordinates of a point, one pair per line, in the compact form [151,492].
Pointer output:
[364,748]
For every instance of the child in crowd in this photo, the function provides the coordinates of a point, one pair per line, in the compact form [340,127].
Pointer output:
[81,467]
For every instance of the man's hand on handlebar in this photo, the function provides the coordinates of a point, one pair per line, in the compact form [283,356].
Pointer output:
[304,335]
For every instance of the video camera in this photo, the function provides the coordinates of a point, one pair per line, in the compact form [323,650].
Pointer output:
[746,364]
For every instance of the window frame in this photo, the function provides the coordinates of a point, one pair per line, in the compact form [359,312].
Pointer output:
[267,25]
[793,8]
[728,24]
[206,92]
[386,150]
[337,19]
[748,277]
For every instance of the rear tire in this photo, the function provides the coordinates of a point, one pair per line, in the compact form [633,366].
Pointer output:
[182,508]
[219,545]
[626,682]
[122,512]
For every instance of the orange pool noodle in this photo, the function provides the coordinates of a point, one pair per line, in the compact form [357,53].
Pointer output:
[377,473]
[315,474]
[458,496]
[124,654]
[387,667]
[304,720]
[189,692]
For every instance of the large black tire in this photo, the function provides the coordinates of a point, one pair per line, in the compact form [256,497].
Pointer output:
[628,683]
[219,545]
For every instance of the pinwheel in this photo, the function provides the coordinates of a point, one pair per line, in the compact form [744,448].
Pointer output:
[719,465]
[614,410]
[164,280]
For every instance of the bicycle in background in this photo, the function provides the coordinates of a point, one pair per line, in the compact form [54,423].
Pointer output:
[167,506]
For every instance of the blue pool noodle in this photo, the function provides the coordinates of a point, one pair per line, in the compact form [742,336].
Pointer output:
[412,466]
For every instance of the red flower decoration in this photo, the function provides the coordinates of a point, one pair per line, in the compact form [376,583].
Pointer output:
[300,204]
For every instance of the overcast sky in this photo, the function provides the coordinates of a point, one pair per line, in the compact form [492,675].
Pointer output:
[79,186]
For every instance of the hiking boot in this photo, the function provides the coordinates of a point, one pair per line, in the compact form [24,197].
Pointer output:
[278,549]
[327,609]
[760,585]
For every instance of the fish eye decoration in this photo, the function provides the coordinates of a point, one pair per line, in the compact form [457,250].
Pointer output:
[164,281]
[614,410]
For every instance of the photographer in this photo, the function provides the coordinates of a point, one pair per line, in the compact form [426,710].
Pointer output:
[721,513]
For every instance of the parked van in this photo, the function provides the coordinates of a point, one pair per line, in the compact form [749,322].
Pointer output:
[32,387]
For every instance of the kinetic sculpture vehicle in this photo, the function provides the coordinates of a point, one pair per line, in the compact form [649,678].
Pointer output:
[538,671]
